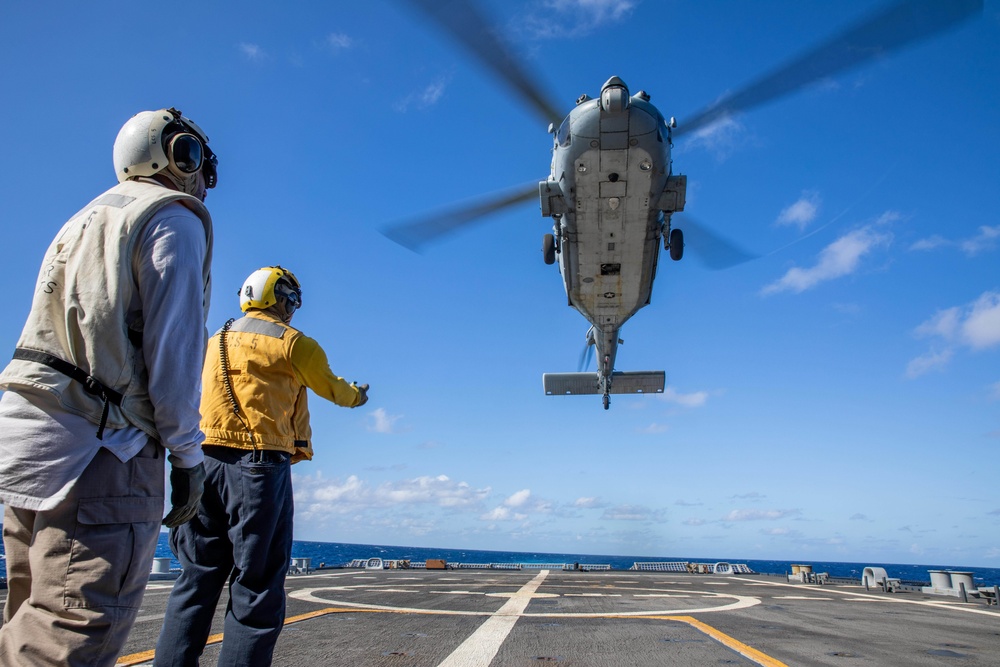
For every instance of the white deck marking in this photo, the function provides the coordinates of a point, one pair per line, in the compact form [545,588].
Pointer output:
[479,649]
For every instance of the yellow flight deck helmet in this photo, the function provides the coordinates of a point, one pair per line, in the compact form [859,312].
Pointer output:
[259,288]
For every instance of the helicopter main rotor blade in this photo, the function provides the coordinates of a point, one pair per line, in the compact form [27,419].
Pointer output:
[883,32]
[712,250]
[463,21]
[415,234]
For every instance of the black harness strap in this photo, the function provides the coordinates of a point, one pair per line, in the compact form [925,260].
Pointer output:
[91,385]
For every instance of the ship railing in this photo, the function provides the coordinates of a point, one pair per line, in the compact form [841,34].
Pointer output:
[663,566]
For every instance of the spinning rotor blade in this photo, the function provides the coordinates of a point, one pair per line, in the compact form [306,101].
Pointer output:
[465,23]
[711,249]
[891,29]
[413,235]
[586,356]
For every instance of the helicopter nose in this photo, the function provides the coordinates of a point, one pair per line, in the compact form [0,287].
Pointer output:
[614,95]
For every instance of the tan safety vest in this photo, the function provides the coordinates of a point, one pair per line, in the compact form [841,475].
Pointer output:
[271,399]
[79,311]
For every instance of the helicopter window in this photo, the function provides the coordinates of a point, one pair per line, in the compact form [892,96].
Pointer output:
[563,136]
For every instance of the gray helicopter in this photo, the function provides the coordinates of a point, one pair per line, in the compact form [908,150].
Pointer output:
[612,191]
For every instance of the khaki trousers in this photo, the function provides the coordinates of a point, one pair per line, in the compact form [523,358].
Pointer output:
[76,574]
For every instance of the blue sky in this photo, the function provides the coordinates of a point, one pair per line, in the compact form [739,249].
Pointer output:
[836,399]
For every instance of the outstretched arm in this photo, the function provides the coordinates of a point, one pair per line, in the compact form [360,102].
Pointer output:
[313,369]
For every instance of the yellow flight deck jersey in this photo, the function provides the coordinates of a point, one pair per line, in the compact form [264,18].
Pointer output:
[270,367]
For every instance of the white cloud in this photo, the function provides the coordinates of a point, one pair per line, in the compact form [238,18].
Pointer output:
[975,325]
[802,212]
[423,99]
[986,239]
[753,495]
[315,495]
[759,515]
[252,52]
[694,522]
[496,514]
[944,324]
[981,328]
[695,399]
[840,258]
[719,138]
[631,513]
[588,503]
[518,499]
[382,421]
[567,19]
[653,429]
[338,41]
[929,361]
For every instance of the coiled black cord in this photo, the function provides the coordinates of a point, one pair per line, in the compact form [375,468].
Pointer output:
[224,361]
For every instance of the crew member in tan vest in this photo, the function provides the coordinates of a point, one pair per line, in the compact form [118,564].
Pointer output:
[104,387]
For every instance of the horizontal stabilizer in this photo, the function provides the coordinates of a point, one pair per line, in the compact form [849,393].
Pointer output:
[622,382]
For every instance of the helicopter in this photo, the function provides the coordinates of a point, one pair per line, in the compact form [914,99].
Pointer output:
[612,191]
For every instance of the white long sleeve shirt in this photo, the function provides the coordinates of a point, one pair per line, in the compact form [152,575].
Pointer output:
[44,448]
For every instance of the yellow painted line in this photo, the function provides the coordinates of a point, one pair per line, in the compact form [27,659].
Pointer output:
[146,656]
[748,652]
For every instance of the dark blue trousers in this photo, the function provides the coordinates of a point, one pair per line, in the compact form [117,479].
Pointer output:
[242,535]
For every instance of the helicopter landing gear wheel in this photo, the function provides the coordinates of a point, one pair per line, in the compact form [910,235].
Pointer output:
[676,244]
[549,249]
[607,401]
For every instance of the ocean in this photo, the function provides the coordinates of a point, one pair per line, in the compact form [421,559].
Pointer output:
[338,553]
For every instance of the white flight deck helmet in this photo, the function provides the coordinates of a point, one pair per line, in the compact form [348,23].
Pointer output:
[263,287]
[154,141]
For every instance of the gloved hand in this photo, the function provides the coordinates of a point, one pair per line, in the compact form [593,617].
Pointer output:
[186,487]
[363,390]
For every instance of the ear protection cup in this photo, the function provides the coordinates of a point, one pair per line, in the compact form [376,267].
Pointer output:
[186,153]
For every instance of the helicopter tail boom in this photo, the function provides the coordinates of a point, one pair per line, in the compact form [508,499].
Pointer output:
[622,382]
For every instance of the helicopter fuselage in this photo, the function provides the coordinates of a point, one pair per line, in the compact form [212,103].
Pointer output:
[610,194]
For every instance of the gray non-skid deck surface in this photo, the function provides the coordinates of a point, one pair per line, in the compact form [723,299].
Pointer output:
[465,618]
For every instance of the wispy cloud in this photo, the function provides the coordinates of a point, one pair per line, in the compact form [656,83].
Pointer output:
[840,258]
[337,42]
[588,503]
[759,515]
[695,399]
[927,362]
[423,99]
[653,429]
[753,495]
[632,513]
[382,422]
[858,517]
[975,326]
[252,52]
[568,19]
[987,239]
[802,212]
[317,496]
[720,138]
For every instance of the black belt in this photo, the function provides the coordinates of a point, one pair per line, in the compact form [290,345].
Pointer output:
[91,385]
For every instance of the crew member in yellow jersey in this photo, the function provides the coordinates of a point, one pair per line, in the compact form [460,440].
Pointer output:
[256,424]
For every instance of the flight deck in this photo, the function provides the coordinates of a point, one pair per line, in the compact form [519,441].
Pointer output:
[481,618]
